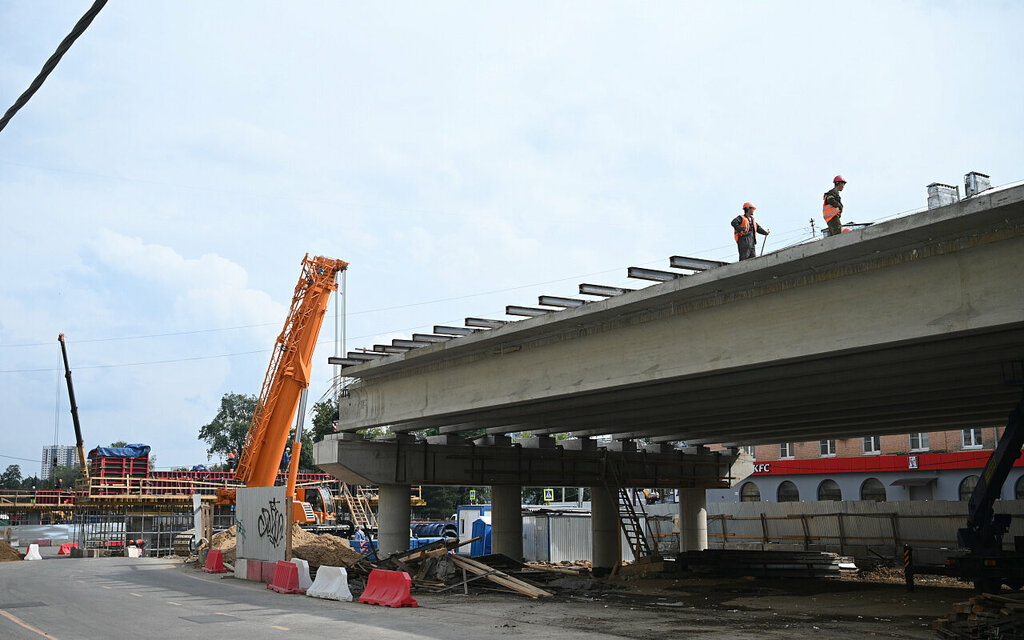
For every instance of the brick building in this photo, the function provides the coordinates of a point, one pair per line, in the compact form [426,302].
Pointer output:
[938,465]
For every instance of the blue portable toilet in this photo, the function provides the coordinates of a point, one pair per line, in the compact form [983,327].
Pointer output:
[481,530]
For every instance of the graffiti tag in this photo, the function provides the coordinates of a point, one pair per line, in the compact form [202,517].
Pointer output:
[271,524]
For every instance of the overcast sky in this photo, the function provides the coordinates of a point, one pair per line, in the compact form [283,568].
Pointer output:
[158,193]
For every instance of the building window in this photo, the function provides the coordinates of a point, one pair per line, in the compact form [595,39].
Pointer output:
[1018,490]
[827,447]
[872,490]
[786,450]
[919,442]
[748,449]
[788,492]
[750,493]
[829,490]
[967,487]
[872,444]
[971,438]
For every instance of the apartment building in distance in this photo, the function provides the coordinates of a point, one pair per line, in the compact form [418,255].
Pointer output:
[65,455]
[938,465]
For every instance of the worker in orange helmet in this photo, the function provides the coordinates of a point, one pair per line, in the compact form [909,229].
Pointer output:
[832,206]
[745,232]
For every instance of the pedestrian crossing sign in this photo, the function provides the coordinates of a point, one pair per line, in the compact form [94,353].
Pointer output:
[472,495]
[549,495]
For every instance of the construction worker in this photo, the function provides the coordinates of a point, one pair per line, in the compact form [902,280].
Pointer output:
[745,232]
[832,206]
[287,457]
[232,461]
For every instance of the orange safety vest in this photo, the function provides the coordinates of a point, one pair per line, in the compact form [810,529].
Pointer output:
[746,226]
[828,210]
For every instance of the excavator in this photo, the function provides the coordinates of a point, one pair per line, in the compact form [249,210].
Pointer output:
[283,397]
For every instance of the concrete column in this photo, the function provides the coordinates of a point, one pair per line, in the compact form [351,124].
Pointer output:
[604,528]
[693,520]
[507,520]
[393,519]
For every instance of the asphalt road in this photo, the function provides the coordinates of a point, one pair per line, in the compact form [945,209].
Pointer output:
[68,599]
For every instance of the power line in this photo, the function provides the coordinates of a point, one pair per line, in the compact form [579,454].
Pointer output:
[51,63]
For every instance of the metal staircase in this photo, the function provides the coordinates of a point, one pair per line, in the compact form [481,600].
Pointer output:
[359,506]
[629,515]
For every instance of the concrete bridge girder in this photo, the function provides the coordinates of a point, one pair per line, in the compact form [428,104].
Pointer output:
[354,460]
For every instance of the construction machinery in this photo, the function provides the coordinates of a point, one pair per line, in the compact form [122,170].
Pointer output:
[79,443]
[987,564]
[283,396]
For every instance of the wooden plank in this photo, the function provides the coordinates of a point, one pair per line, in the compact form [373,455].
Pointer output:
[499,577]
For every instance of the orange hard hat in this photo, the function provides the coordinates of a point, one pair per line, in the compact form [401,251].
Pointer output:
[838,179]
[747,205]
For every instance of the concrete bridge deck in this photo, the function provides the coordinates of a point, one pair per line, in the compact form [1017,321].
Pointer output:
[900,326]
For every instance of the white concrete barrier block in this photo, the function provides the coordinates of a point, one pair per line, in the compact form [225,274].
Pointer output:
[241,568]
[33,552]
[134,552]
[331,583]
[304,580]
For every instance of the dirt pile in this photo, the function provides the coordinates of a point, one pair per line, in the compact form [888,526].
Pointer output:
[323,549]
[8,553]
[226,541]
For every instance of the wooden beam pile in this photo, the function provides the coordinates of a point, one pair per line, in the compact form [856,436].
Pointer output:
[984,616]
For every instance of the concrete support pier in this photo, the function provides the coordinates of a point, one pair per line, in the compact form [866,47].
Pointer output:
[604,527]
[693,520]
[507,520]
[393,519]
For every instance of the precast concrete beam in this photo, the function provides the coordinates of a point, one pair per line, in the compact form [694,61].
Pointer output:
[419,462]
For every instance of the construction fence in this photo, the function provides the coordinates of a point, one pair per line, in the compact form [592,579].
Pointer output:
[854,528]
[114,529]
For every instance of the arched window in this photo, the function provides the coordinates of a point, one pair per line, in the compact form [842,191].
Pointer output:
[750,493]
[1018,491]
[872,490]
[788,492]
[967,487]
[829,490]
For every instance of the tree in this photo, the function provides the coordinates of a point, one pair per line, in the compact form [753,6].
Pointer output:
[11,477]
[325,413]
[117,444]
[229,427]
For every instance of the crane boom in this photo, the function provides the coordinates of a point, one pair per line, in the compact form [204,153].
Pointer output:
[288,373]
[79,442]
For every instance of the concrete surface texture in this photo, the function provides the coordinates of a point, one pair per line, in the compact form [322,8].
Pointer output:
[162,599]
[896,327]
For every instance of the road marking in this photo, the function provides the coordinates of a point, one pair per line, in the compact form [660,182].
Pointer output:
[137,595]
[106,587]
[281,628]
[177,604]
[18,621]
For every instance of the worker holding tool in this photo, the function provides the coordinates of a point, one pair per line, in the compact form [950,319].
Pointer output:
[745,232]
[832,207]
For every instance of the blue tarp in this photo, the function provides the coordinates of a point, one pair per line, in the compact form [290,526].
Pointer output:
[127,451]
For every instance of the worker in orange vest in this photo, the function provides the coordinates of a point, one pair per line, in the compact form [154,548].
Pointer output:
[745,232]
[231,460]
[832,206]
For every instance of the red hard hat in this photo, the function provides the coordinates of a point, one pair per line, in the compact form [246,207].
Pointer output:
[838,179]
[747,205]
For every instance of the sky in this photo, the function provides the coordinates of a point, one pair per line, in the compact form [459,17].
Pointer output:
[159,192]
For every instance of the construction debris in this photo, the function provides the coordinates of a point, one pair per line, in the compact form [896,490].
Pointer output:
[984,616]
[323,549]
[8,553]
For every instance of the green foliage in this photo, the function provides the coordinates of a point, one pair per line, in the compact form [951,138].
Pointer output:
[443,501]
[11,477]
[229,427]
[118,443]
[324,415]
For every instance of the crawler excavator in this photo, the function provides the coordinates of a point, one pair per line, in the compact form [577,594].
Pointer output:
[284,395]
